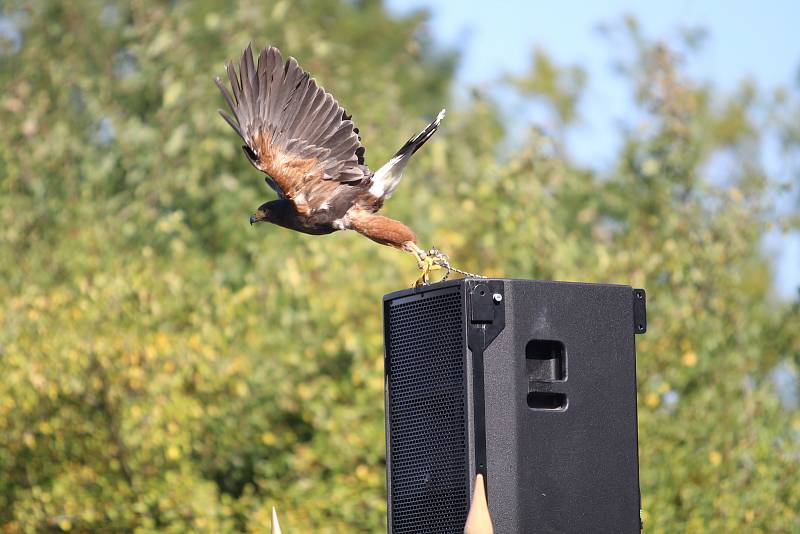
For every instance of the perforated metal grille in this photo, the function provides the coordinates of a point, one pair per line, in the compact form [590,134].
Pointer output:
[428,454]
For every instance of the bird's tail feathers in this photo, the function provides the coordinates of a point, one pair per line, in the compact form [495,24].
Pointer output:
[387,178]
[413,144]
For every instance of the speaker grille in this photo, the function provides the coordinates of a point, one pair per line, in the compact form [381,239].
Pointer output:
[427,419]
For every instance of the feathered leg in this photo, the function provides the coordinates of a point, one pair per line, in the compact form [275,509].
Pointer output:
[393,233]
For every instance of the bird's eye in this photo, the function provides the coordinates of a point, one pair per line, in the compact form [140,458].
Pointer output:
[249,153]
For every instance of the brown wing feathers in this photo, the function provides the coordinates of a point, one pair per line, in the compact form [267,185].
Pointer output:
[293,129]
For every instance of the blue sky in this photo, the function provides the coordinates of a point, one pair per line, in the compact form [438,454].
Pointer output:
[756,40]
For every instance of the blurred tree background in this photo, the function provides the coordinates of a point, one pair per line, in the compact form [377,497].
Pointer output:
[167,368]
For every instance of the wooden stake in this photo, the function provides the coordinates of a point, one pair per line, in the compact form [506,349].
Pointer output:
[479,521]
[276,527]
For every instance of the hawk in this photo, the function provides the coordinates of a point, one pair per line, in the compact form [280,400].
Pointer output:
[307,145]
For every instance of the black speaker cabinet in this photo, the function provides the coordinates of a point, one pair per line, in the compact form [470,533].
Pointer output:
[531,383]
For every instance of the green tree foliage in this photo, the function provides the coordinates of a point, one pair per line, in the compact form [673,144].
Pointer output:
[167,368]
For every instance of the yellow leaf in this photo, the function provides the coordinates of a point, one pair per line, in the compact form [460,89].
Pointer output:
[241,388]
[172,94]
[280,9]
[362,471]
[173,452]
[213,21]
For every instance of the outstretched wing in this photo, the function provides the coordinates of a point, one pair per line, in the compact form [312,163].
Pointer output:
[294,131]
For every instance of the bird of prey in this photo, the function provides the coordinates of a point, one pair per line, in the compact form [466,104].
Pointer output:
[307,145]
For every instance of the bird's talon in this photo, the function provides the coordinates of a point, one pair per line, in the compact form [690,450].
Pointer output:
[429,262]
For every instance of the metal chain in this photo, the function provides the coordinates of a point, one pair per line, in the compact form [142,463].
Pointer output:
[443,261]
[446,264]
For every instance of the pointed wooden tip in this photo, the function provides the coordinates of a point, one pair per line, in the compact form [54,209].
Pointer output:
[276,527]
[479,521]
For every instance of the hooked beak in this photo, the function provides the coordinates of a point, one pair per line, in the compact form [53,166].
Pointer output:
[252,220]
